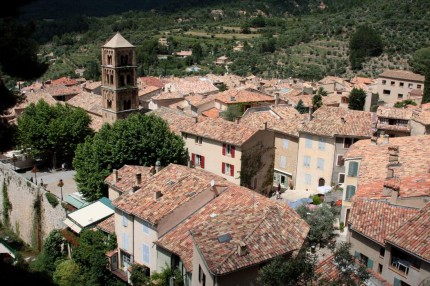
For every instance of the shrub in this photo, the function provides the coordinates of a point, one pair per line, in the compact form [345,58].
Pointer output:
[316,200]
[341,226]
[52,199]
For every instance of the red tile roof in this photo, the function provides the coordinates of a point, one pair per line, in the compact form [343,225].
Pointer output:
[177,184]
[414,157]
[212,113]
[67,81]
[335,121]
[176,119]
[107,225]
[413,235]
[376,219]
[222,130]
[422,116]
[402,75]
[91,85]
[393,112]
[88,101]
[200,99]
[127,177]
[59,90]
[269,229]
[151,81]
[234,96]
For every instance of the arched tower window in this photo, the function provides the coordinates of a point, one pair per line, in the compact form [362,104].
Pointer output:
[109,103]
[109,58]
[128,79]
[111,79]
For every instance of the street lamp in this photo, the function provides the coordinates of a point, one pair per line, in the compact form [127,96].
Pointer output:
[34,170]
[61,184]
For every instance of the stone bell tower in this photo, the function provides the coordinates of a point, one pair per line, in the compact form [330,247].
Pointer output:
[119,79]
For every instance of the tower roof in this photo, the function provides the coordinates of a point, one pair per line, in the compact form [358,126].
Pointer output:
[118,41]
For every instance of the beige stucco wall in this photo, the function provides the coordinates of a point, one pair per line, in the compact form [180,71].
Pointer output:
[120,230]
[289,153]
[367,247]
[163,258]
[141,238]
[418,128]
[314,153]
[198,261]
[395,89]
[113,193]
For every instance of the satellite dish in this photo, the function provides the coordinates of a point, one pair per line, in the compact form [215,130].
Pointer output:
[212,183]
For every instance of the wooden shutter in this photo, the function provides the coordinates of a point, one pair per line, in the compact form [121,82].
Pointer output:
[357,255]
[369,263]
[202,162]
[232,151]
[223,148]
[353,169]
[223,168]
[193,158]
[232,170]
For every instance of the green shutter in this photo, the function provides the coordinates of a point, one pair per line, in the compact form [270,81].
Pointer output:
[396,282]
[370,263]
[357,255]
[353,169]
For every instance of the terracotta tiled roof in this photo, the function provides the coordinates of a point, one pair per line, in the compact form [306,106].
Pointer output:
[91,85]
[414,157]
[149,89]
[412,186]
[127,177]
[327,121]
[402,75]
[362,80]
[296,97]
[151,81]
[233,96]
[281,118]
[222,130]
[168,95]
[176,119]
[422,116]
[59,90]
[34,97]
[177,184]
[268,229]
[67,81]
[35,86]
[107,225]
[199,99]
[393,112]
[88,101]
[413,236]
[212,113]
[376,219]
[416,92]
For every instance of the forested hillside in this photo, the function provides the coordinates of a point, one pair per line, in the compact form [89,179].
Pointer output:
[307,39]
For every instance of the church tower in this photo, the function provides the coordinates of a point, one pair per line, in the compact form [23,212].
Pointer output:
[119,79]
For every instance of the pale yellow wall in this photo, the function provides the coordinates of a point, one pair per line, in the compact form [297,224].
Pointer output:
[352,181]
[367,247]
[212,151]
[314,153]
[113,194]
[396,89]
[417,128]
[289,153]
[139,238]
[119,231]
[197,260]
[163,258]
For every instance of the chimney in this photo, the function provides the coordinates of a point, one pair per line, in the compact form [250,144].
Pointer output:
[265,125]
[386,138]
[242,250]
[138,179]
[157,195]
[276,98]
[393,152]
[342,119]
[196,119]
[311,110]
[213,188]
[152,170]
[237,120]
[374,140]
[115,175]
[157,166]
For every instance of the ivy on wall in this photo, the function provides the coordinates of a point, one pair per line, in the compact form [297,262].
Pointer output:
[36,236]
[7,206]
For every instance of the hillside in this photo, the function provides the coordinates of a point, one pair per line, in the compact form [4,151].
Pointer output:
[279,38]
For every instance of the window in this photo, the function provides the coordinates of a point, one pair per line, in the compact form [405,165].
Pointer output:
[126,259]
[393,83]
[353,169]
[386,92]
[184,135]
[382,251]
[363,258]
[202,276]
[199,140]
[145,253]
[321,143]
[384,82]
[285,143]
[125,241]
[308,142]
[283,161]
[350,192]
[320,164]
[401,84]
[400,96]
[410,85]
[109,104]
[341,178]
[145,228]
[199,160]
[380,267]
[124,219]
[228,149]
[419,86]
[308,179]
[227,169]
[306,161]
[347,142]
[339,160]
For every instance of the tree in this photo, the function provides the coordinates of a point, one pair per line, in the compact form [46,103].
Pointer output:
[92,71]
[163,277]
[51,253]
[232,112]
[404,103]
[420,61]
[300,107]
[321,91]
[53,131]
[426,94]
[137,140]
[299,270]
[68,273]
[316,101]
[197,53]
[17,50]
[365,42]
[357,99]
[320,221]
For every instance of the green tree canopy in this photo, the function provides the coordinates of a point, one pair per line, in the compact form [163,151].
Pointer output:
[53,131]
[92,71]
[420,61]
[316,101]
[68,273]
[51,253]
[137,140]
[232,112]
[357,99]
[365,42]
[300,107]
[320,221]
[403,103]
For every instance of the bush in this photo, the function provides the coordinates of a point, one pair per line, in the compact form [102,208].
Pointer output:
[316,200]
[52,199]
[341,226]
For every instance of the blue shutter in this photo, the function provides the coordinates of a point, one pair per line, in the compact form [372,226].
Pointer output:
[396,282]
[350,192]
[370,263]
[353,169]
[145,253]
[357,255]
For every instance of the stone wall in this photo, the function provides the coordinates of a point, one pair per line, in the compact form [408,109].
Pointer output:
[31,216]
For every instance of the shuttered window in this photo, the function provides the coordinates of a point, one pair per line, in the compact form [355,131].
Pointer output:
[353,169]
[350,192]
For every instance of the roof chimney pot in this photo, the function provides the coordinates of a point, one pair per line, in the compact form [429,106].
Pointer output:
[115,175]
